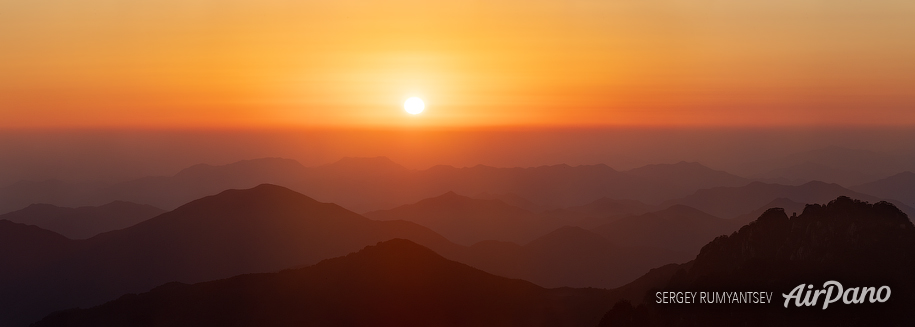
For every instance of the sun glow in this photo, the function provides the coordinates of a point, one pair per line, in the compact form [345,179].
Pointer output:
[414,106]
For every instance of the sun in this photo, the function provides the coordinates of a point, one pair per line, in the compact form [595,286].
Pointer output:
[414,105]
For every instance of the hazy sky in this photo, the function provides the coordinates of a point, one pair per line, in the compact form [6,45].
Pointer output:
[285,63]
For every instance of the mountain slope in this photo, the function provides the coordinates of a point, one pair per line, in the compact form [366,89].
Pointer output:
[513,200]
[466,221]
[24,248]
[570,256]
[394,283]
[679,228]
[598,212]
[899,187]
[83,222]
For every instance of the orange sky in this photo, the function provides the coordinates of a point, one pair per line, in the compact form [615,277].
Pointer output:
[285,63]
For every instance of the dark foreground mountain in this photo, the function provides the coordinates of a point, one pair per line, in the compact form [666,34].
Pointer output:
[792,208]
[83,222]
[856,244]
[24,248]
[394,283]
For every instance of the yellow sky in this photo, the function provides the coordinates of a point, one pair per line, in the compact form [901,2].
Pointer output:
[220,63]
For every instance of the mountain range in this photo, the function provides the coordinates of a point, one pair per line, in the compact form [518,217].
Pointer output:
[831,164]
[371,184]
[393,283]
[265,229]
[401,283]
[467,221]
[368,184]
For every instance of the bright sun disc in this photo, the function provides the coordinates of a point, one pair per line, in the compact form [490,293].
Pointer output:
[414,105]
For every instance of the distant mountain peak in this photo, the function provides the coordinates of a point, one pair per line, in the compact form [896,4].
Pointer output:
[262,194]
[268,189]
[400,247]
[688,163]
[450,194]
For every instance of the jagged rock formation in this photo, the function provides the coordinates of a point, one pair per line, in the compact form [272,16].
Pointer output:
[853,242]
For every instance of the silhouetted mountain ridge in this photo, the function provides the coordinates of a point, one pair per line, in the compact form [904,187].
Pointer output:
[855,243]
[394,283]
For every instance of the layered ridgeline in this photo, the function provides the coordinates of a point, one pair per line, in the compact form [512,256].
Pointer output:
[398,283]
[394,283]
[83,222]
[897,187]
[366,184]
[466,221]
[856,244]
[263,229]
[266,229]
[622,223]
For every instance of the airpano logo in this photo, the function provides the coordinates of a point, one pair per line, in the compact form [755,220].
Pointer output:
[832,292]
